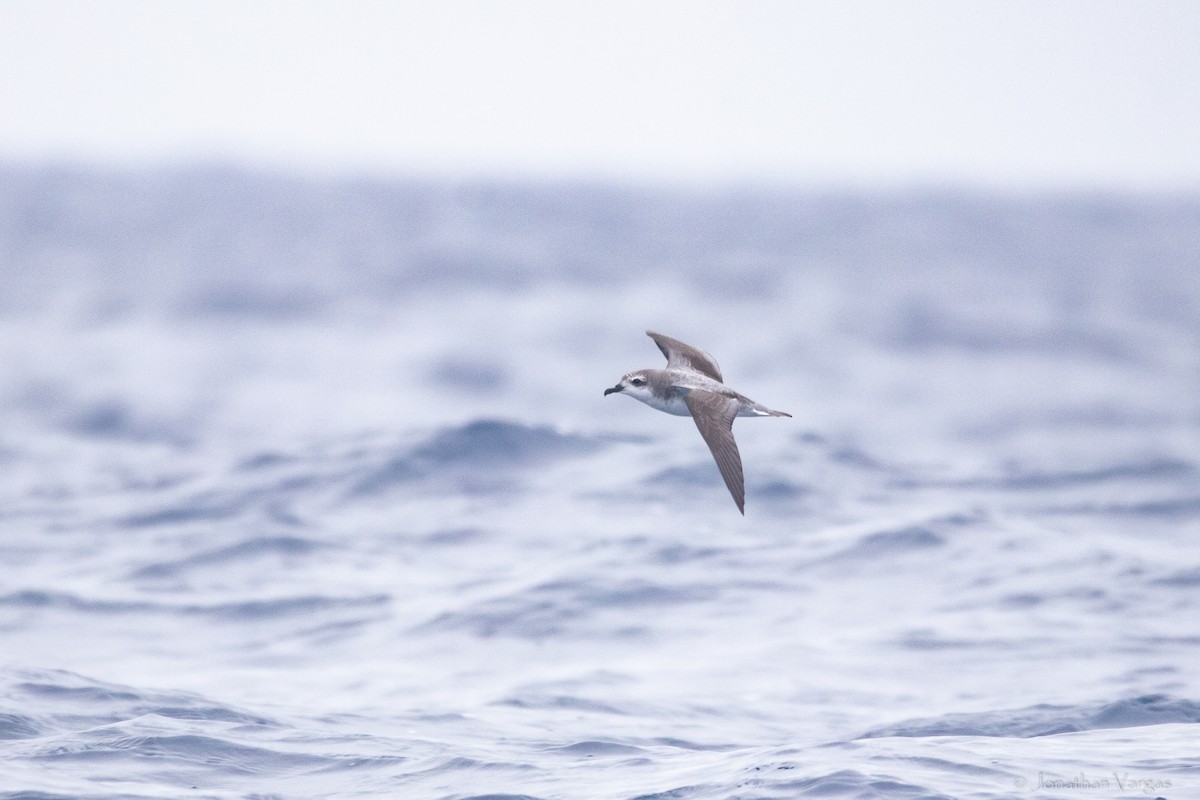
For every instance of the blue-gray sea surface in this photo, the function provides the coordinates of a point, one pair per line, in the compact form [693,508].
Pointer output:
[308,490]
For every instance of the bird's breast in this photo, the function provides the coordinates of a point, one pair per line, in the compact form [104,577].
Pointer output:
[673,404]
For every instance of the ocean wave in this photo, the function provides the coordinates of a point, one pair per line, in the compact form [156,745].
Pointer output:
[850,783]
[478,456]
[1048,720]
[1032,479]
[481,457]
[1153,469]
[233,610]
[927,327]
[881,545]
[80,734]
[564,607]
[702,477]
[205,507]
[255,547]
[888,544]
[496,442]
[548,700]
[59,700]
[1188,578]
[1166,509]
[18,726]
[597,748]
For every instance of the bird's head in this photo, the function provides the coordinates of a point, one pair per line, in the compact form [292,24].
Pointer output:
[634,384]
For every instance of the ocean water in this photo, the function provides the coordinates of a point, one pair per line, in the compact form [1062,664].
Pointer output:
[308,490]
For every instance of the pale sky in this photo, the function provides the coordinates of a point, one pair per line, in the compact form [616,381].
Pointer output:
[1012,92]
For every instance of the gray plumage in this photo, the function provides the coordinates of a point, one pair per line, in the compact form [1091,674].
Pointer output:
[692,385]
[683,356]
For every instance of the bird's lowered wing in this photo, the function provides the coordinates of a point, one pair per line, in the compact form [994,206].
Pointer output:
[714,414]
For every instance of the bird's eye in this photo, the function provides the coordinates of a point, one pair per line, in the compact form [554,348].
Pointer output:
[637,381]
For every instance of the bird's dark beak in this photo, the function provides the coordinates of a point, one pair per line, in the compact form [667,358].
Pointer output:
[616,388]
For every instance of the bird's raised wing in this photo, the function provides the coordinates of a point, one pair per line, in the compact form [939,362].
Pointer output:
[714,414]
[684,356]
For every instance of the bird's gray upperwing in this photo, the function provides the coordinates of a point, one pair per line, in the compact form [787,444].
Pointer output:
[714,414]
[680,355]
